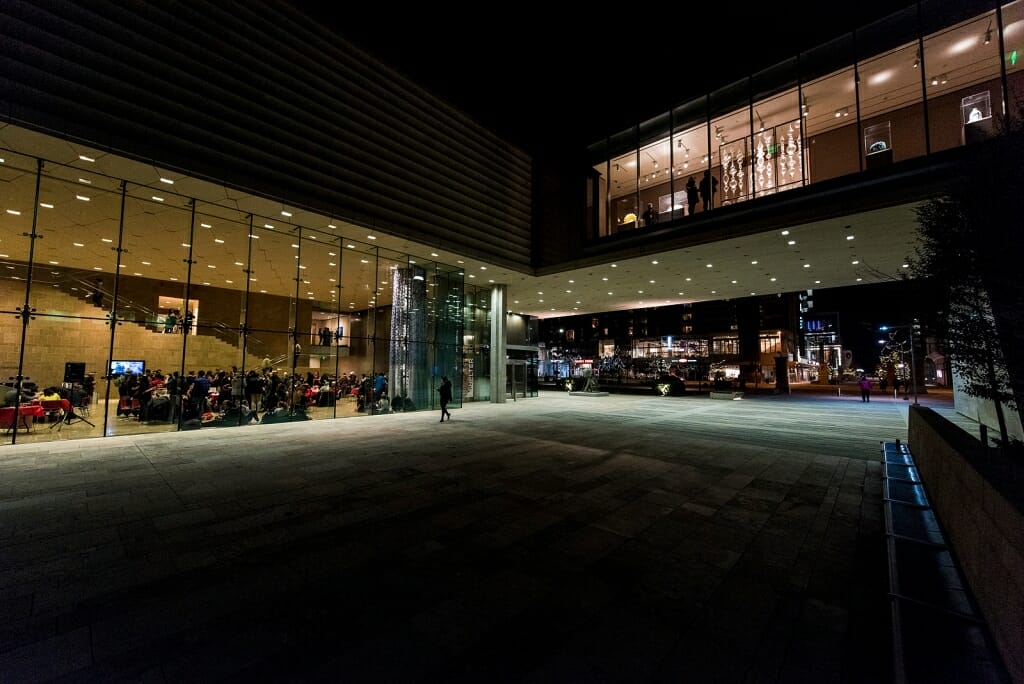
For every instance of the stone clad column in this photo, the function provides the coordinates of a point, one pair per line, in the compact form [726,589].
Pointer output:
[499,353]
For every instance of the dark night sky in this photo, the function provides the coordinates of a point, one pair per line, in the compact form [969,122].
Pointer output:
[548,77]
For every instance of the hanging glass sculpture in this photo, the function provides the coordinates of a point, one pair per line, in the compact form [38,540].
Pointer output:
[764,165]
[791,164]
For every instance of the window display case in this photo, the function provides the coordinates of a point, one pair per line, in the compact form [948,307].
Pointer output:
[878,145]
[976,111]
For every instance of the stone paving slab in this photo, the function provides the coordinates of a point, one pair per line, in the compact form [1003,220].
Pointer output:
[618,538]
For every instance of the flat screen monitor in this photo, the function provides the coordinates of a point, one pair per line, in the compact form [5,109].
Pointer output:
[74,371]
[122,366]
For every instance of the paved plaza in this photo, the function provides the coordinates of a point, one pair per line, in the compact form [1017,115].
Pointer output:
[551,539]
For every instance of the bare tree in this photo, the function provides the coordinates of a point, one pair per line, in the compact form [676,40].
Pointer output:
[969,251]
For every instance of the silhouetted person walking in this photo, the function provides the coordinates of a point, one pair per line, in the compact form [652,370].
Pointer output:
[446,396]
[865,388]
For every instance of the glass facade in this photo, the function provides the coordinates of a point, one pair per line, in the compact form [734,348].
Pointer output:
[118,295]
[891,92]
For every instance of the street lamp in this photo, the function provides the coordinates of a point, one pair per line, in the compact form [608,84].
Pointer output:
[911,328]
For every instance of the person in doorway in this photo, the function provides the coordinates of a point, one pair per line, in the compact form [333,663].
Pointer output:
[692,196]
[865,388]
[445,390]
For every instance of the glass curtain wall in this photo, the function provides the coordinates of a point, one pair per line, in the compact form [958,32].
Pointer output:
[893,91]
[690,154]
[476,368]
[119,295]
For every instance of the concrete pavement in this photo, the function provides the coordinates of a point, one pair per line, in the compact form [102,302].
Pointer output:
[552,539]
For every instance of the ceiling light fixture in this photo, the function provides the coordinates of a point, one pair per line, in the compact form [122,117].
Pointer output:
[988,33]
[759,119]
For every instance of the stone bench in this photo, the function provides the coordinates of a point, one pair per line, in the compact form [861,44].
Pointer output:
[726,395]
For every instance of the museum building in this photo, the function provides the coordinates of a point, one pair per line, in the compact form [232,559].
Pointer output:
[190,188]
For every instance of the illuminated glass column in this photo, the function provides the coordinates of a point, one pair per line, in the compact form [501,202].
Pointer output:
[409,381]
[499,353]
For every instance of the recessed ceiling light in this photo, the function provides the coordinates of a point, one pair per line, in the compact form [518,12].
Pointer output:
[206,225]
[46,205]
[82,198]
[167,180]
[14,212]
[754,262]
[791,242]
[849,237]
[371,237]
[807,265]
[785,232]
[615,265]
[85,158]
[855,262]
[288,213]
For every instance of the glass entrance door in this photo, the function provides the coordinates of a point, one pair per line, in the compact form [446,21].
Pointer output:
[515,379]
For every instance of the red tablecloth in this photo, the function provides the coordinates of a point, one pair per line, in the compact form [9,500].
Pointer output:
[34,410]
[25,412]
